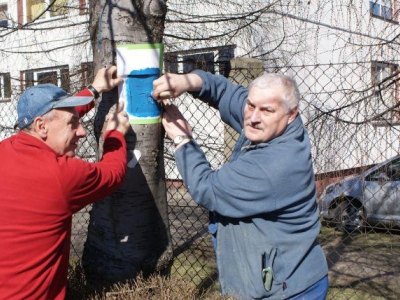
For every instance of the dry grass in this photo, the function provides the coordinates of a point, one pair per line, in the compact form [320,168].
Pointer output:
[362,266]
[155,287]
[193,276]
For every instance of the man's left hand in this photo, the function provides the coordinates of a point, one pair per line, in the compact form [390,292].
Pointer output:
[106,79]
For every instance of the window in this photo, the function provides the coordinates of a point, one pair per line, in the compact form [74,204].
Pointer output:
[87,70]
[203,61]
[388,172]
[40,9]
[3,15]
[384,79]
[83,7]
[382,9]
[381,71]
[58,76]
[215,60]
[5,87]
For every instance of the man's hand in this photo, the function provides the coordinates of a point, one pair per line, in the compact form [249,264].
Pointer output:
[175,85]
[175,123]
[106,79]
[118,119]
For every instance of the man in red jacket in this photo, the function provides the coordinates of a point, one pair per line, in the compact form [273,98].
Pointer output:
[42,184]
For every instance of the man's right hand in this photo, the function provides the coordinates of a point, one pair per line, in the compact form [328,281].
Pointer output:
[175,123]
[176,85]
[118,119]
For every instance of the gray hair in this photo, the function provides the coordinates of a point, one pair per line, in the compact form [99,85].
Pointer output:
[48,116]
[291,94]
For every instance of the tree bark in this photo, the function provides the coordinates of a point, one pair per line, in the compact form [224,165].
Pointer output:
[128,231]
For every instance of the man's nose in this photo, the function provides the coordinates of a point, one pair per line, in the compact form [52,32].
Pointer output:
[255,116]
[81,132]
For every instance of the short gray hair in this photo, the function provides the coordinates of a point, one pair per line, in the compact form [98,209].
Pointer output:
[291,95]
[48,116]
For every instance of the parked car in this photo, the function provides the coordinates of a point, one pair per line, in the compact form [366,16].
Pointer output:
[368,199]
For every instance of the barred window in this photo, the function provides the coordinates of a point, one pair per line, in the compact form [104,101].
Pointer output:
[87,74]
[215,60]
[384,79]
[3,15]
[382,9]
[56,75]
[40,9]
[5,87]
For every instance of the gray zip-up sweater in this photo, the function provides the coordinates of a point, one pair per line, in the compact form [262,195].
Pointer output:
[264,198]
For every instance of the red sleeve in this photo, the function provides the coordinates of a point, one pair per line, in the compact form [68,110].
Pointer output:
[84,109]
[85,182]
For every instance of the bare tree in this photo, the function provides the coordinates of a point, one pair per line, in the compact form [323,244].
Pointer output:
[128,232]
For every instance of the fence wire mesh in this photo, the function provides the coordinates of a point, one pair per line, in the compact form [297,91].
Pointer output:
[351,113]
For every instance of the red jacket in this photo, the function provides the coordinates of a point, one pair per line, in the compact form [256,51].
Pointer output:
[39,192]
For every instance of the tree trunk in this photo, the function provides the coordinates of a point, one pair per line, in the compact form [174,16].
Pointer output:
[128,232]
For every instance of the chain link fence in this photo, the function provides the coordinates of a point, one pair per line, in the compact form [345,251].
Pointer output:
[351,113]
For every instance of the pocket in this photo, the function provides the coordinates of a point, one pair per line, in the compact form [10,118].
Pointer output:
[267,270]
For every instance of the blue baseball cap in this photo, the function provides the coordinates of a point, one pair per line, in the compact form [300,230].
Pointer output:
[40,99]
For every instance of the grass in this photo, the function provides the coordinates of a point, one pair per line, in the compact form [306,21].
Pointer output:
[197,266]
[361,266]
[364,265]
[155,287]
[351,294]
[193,276]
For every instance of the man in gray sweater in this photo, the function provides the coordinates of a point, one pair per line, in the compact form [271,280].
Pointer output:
[265,218]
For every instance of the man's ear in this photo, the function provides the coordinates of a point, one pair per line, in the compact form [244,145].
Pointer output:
[292,115]
[40,127]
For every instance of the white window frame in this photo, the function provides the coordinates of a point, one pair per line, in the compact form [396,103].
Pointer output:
[36,74]
[385,70]
[379,72]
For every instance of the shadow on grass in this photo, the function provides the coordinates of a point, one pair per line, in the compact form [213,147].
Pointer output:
[362,265]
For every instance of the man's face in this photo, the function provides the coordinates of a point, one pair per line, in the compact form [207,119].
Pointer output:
[64,131]
[265,116]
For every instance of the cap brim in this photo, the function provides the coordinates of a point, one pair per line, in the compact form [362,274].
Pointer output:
[72,101]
